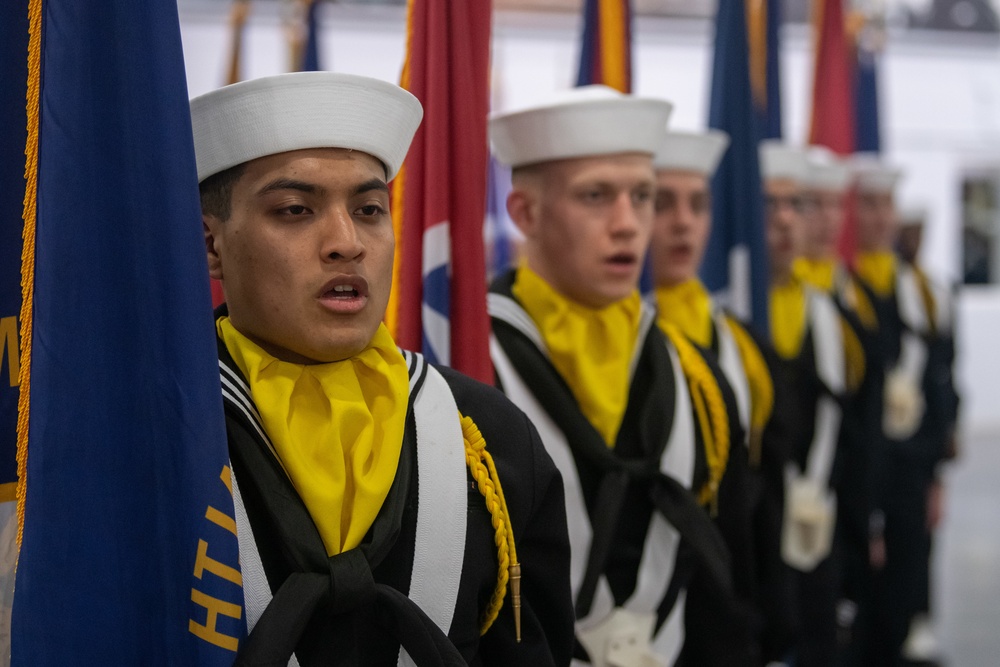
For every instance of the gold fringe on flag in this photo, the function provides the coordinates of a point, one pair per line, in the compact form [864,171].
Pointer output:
[28,250]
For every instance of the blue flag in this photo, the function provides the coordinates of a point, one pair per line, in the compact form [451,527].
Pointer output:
[867,134]
[13,50]
[771,117]
[310,51]
[735,262]
[129,553]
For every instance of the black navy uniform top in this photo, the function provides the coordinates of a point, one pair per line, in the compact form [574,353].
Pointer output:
[352,609]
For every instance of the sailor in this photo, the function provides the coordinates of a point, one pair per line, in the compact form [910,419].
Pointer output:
[826,186]
[388,512]
[635,420]
[751,522]
[920,406]
[820,365]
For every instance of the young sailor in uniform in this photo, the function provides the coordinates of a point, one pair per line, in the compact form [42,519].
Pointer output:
[388,512]
[751,521]
[820,364]
[919,407]
[825,189]
[577,349]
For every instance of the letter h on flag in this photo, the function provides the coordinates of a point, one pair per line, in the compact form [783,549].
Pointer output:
[438,302]
[127,548]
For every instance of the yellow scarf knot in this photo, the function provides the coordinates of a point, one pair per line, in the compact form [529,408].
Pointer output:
[878,270]
[788,317]
[591,348]
[687,306]
[337,428]
[819,273]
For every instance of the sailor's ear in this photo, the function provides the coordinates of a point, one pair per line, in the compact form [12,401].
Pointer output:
[213,244]
[522,209]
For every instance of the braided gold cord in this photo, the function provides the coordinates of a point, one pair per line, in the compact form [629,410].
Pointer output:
[854,357]
[28,250]
[488,481]
[760,384]
[858,301]
[707,398]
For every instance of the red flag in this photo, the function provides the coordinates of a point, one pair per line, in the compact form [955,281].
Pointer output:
[833,81]
[438,303]
[833,116]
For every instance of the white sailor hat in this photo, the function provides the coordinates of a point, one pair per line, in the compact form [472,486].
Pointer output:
[781,161]
[826,170]
[872,174]
[580,122]
[697,152]
[287,112]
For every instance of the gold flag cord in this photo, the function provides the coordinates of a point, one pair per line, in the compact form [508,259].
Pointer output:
[28,250]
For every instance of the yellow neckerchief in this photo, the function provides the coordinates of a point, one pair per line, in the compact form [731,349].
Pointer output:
[819,273]
[337,428]
[591,348]
[688,307]
[878,270]
[788,317]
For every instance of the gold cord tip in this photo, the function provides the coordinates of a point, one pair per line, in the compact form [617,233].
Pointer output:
[515,593]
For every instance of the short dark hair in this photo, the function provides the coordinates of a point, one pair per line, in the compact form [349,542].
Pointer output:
[217,192]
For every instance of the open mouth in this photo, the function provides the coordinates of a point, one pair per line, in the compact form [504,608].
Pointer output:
[622,259]
[342,292]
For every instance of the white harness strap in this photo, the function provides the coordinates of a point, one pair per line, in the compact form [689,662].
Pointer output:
[256,591]
[732,367]
[810,505]
[913,351]
[828,339]
[439,548]
[510,311]
[660,548]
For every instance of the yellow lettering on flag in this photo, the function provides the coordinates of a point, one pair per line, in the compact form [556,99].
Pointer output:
[203,562]
[8,492]
[8,348]
[208,631]
[227,478]
[221,519]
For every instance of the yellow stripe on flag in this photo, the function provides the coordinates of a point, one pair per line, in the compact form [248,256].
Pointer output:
[757,38]
[614,49]
[391,318]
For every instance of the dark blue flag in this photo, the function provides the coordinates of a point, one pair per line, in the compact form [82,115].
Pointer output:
[771,117]
[129,553]
[13,64]
[867,134]
[310,51]
[735,263]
